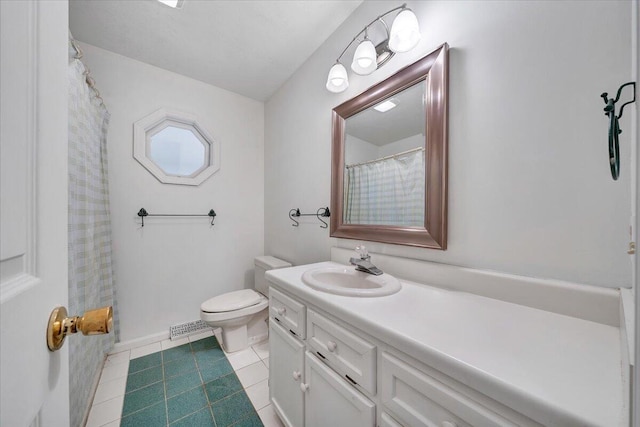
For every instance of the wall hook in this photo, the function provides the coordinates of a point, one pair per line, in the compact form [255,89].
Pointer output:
[614,126]
[323,212]
[292,213]
[212,214]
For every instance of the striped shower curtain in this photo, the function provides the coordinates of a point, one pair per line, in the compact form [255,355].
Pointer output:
[389,191]
[90,268]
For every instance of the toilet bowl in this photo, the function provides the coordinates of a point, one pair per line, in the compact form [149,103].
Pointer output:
[242,315]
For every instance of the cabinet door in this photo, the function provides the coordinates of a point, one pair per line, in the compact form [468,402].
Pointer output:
[286,367]
[331,401]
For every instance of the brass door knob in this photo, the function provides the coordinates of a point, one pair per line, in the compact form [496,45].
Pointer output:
[92,322]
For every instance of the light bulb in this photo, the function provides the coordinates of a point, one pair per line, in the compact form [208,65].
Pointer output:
[405,32]
[337,81]
[364,59]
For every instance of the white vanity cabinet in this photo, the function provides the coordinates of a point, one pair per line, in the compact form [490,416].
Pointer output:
[303,389]
[432,357]
[323,373]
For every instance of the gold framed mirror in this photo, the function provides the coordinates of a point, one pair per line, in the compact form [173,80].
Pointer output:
[389,158]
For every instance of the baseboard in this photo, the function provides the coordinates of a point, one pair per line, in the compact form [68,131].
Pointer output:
[139,342]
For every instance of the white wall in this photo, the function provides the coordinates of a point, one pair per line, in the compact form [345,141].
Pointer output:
[165,270]
[529,185]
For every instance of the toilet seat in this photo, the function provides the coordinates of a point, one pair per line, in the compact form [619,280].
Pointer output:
[232,301]
[235,315]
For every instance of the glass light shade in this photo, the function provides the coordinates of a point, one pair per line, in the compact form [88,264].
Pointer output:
[337,81]
[364,59]
[405,32]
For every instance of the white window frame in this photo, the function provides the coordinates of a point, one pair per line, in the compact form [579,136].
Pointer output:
[148,126]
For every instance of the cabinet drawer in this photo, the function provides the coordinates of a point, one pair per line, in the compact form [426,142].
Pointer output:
[351,356]
[287,312]
[418,399]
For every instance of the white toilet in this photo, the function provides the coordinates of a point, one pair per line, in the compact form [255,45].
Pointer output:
[242,315]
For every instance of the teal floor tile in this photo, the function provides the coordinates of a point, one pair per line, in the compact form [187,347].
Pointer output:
[208,356]
[215,370]
[145,362]
[192,385]
[222,387]
[153,416]
[232,409]
[205,343]
[176,353]
[202,418]
[144,378]
[186,403]
[252,420]
[177,385]
[179,367]
[142,398]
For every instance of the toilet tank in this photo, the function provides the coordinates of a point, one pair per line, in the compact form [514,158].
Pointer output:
[262,264]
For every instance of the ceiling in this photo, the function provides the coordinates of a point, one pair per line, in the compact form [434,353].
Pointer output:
[405,120]
[247,47]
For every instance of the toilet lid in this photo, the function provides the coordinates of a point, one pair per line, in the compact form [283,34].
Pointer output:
[231,301]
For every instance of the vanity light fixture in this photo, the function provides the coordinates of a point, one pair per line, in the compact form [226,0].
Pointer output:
[368,57]
[176,4]
[385,106]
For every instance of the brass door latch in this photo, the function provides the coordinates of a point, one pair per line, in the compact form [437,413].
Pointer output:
[92,322]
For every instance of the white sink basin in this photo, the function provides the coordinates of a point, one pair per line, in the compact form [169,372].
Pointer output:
[349,282]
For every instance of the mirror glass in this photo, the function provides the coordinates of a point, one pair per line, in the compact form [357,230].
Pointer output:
[177,151]
[389,158]
[384,162]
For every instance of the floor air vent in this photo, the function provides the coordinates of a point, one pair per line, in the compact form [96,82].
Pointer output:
[185,329]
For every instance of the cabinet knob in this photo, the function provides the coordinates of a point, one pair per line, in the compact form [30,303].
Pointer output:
[331,346]
[281,311]
[296,375]
[304,387]
[449,424]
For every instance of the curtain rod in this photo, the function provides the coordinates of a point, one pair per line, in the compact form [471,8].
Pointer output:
[386,157]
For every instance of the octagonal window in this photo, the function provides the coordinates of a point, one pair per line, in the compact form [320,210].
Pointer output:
[175,148]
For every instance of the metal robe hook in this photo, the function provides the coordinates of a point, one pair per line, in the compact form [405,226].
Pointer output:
[323,212]
[292,213]
[212,214]
[614,126]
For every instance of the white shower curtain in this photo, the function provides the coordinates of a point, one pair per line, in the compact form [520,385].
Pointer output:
[386,192]
[90,266]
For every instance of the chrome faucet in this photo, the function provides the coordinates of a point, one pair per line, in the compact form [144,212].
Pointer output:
[363,263]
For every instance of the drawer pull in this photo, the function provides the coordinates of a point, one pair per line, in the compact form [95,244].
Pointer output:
[281,311]
[331,346]
[320,354]
[296,375]
[354,383]
[304,387]
[449,424]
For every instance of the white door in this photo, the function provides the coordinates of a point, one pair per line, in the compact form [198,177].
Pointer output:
[286,370]
[34,388]
[330,401]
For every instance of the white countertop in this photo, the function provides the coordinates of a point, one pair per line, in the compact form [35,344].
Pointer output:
[555,369]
